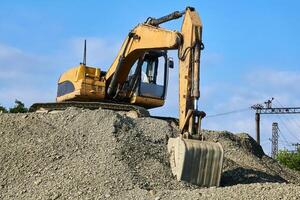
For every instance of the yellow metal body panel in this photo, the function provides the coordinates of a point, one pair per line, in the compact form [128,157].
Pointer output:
[79,73]
[191,31]
[147,37]
[87,84]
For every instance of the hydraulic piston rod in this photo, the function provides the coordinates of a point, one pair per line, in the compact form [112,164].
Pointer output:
[174,15]
[169,17]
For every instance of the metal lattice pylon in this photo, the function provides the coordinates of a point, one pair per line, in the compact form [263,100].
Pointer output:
[274,147]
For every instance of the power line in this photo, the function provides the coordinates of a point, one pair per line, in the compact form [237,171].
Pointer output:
[279,103]
[289,131]
[283,137]
[268,109]
[285,144]
[295,121]
[289,120]
[229,112]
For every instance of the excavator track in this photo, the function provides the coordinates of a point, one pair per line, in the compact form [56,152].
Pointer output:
[47,107]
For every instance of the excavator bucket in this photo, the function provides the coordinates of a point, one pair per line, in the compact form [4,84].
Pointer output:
[197,162]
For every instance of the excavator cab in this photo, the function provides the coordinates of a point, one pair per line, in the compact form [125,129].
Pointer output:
[154,75]
[151,72]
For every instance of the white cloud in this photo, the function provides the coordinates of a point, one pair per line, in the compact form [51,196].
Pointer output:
[28,95]
[23,75]
[7,52]
[276,79]
[32,77]
[100,52]
[211,59]
[257,87]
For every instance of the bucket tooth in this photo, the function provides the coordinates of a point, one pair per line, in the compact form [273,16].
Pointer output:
[197,162]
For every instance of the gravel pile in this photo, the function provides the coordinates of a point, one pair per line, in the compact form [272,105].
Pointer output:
[245,161]
[101,154]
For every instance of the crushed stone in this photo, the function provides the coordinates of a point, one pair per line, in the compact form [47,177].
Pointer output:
[102,154]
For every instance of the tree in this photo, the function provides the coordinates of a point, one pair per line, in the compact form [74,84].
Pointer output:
[18,108]
[290,159]
[3,109]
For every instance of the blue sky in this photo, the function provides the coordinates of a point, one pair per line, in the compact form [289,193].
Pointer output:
[251,53]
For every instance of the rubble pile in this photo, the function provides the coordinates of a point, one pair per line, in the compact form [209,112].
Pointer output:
[102,154]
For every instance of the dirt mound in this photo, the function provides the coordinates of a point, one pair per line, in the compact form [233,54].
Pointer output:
[245,161]
[104,154]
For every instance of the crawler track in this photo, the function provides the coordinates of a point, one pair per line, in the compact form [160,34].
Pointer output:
[142,112]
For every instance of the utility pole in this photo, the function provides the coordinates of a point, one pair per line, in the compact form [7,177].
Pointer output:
[257,124]
[258,107]
[268,109]
[274,140]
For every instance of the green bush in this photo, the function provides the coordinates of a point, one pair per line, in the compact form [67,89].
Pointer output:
[290,159]
[18,108]
[3,109]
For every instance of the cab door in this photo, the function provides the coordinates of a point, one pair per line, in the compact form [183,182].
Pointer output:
[153,80]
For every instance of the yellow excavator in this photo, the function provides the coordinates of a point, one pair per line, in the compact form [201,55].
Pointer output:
[137,80]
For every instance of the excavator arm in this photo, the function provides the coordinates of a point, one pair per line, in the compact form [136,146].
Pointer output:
[189,69]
